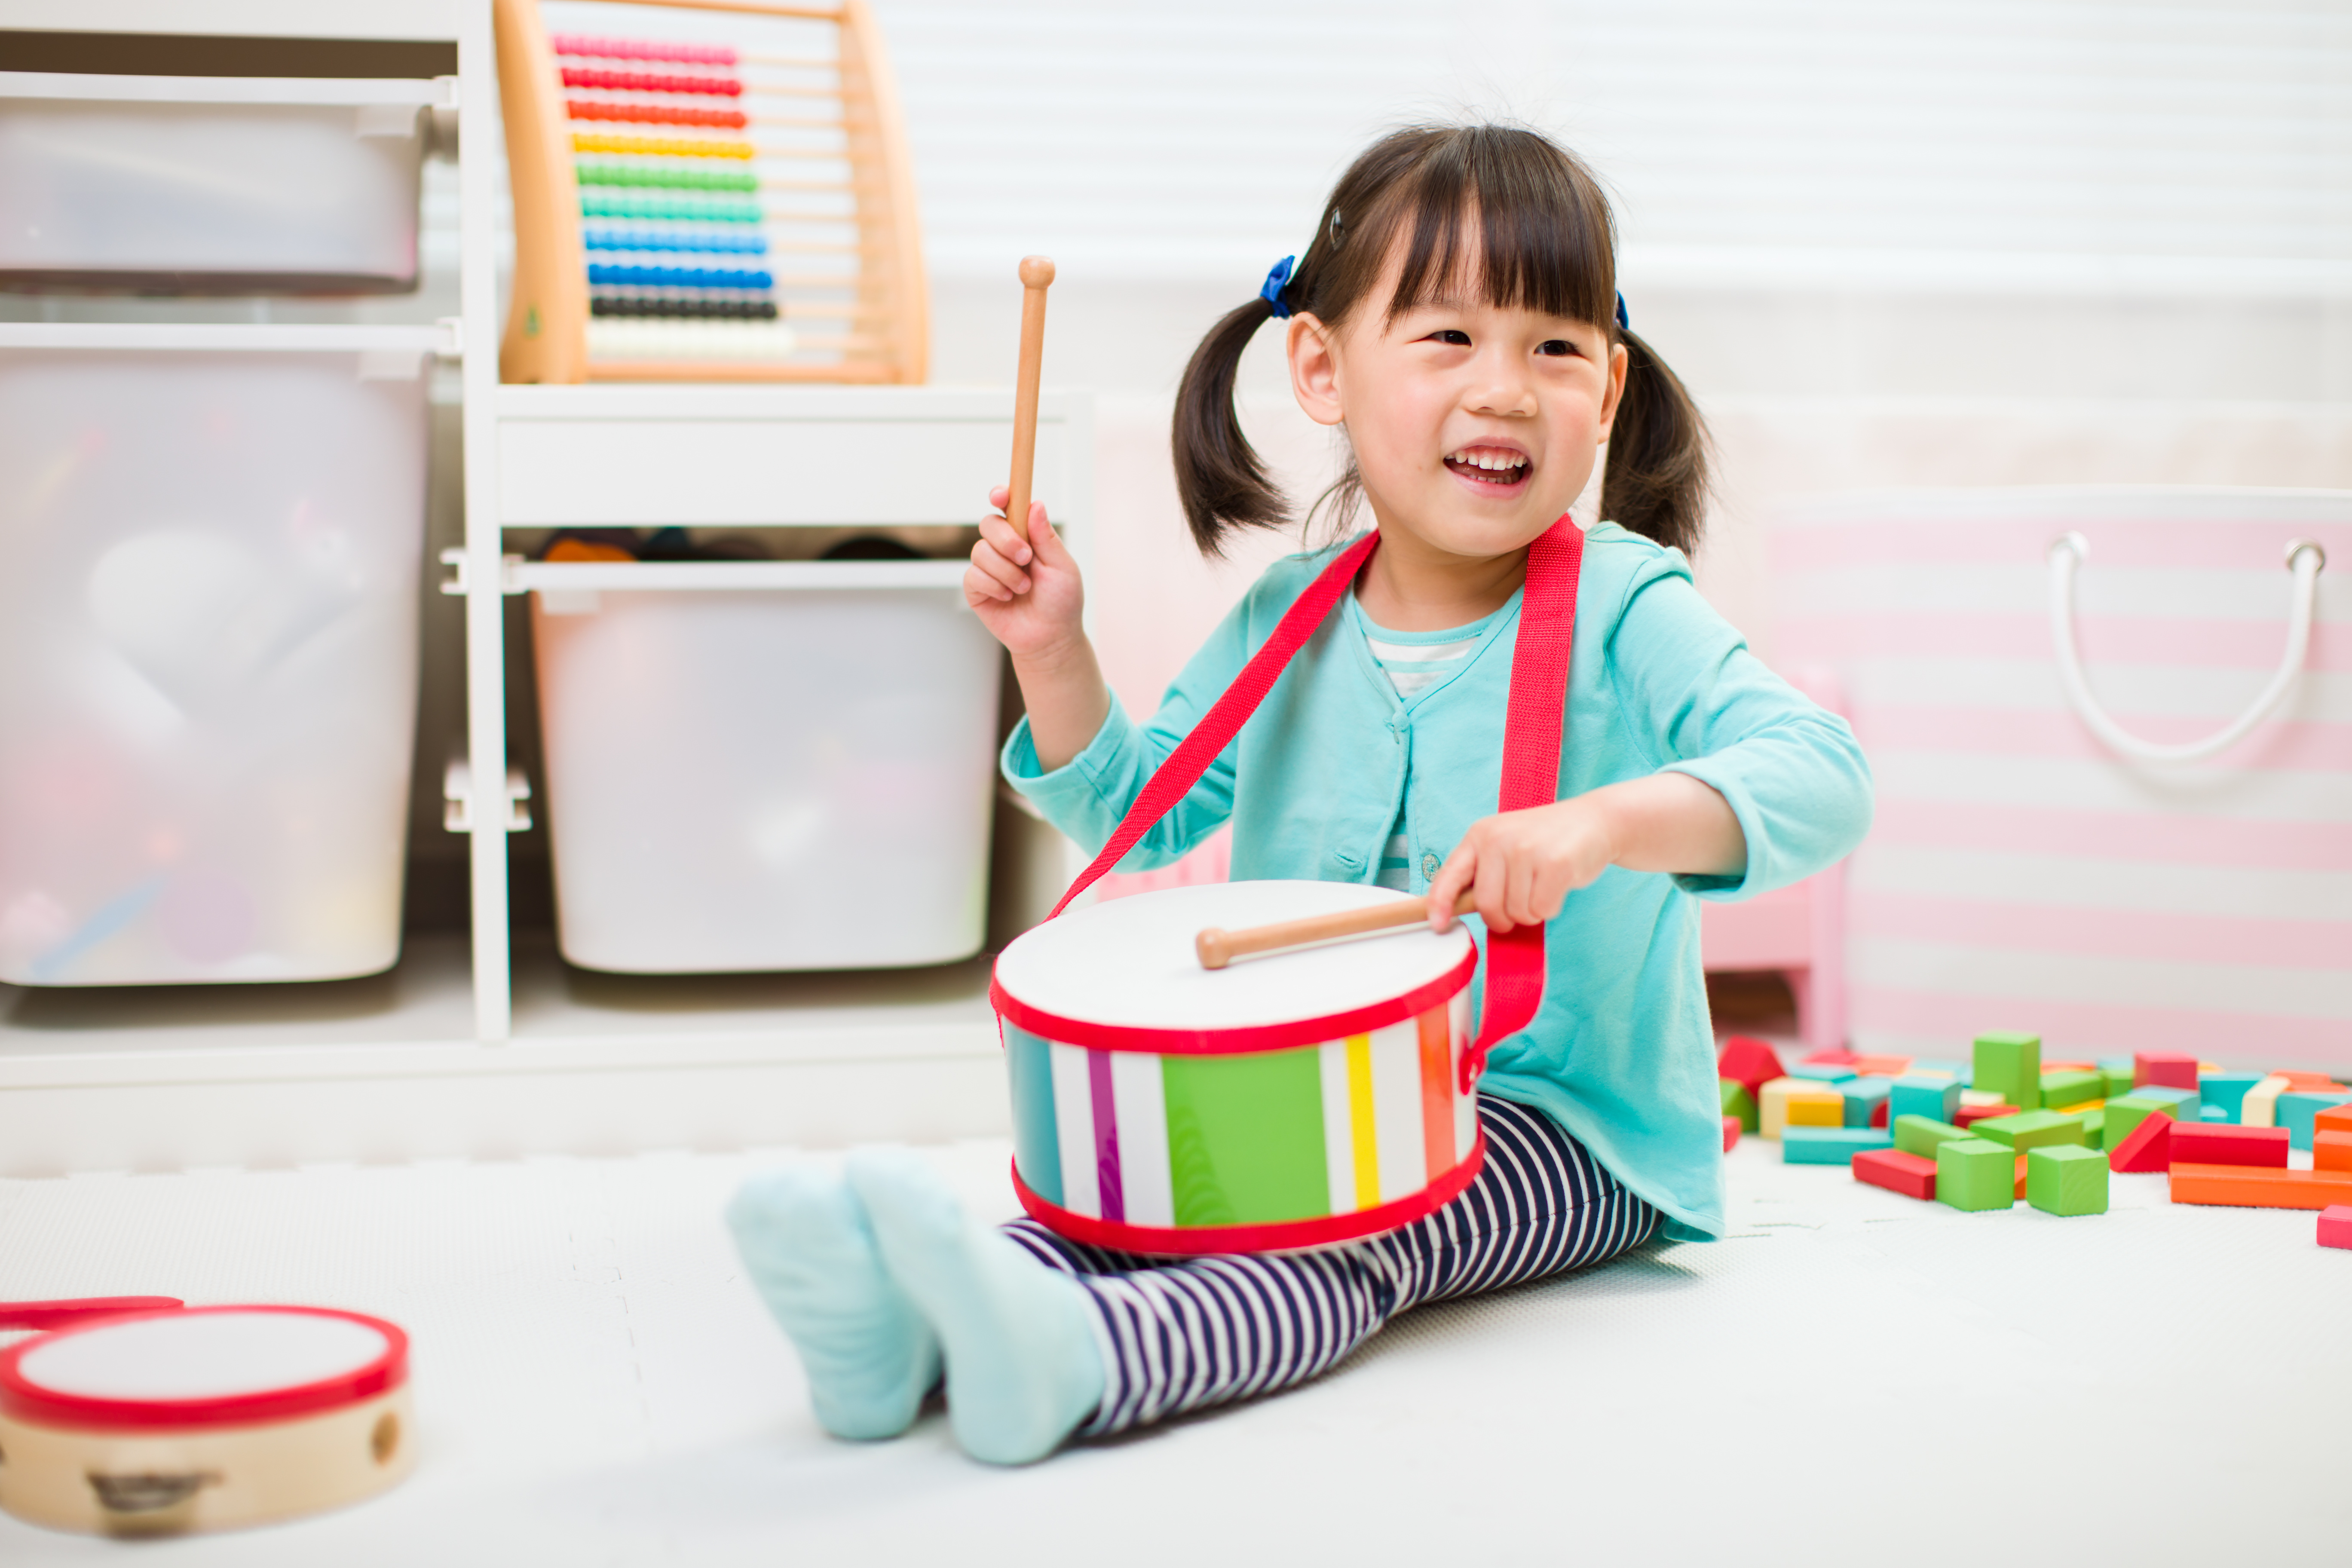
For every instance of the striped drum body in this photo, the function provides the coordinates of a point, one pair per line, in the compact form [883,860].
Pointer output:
[2025,873]
[1292,1100]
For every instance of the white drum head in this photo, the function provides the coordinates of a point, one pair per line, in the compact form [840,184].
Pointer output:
[201,1367]
[1130,963]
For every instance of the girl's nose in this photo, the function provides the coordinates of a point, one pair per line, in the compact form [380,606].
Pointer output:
[1502,386]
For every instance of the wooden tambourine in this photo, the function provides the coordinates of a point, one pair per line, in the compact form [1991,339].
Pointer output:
[210,1419]
[1280,1103]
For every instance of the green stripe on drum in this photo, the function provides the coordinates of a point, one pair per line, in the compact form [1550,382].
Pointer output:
[1036,1147]
[1246,1137]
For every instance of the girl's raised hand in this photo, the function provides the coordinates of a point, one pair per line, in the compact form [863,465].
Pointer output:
[1520,866]
[1026,593]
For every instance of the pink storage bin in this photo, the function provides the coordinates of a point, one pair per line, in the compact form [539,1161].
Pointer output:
[2025,873]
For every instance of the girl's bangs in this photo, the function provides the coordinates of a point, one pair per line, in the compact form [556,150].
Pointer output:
[1542,239]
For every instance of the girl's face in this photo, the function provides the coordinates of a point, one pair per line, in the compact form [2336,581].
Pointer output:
[1474,426]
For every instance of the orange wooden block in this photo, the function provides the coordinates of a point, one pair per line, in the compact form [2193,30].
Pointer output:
[2253,1187]
[2070,1067]
[2021,1176]
[2331,1151]
[1880,1066]
[2297,1080]
[2335,1118]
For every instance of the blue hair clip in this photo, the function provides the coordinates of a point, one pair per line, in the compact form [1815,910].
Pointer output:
[1624,323]
[1277,278]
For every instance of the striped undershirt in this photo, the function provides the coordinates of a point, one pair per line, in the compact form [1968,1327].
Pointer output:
[1413,662]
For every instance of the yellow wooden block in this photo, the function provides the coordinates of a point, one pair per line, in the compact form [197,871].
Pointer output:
[2260,1107]
[1817,1106]
[1772,1105]
[2079,1106]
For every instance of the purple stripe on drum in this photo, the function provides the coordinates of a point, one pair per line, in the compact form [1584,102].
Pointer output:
[1105,1109]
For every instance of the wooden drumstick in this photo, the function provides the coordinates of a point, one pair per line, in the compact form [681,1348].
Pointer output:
[1217,947]
[1036,272]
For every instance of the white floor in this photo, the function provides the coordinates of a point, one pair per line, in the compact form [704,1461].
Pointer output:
[1853,1377]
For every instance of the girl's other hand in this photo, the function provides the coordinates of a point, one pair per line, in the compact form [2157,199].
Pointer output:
[1026,593]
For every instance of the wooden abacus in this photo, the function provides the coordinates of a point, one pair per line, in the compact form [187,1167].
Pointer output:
[706,211]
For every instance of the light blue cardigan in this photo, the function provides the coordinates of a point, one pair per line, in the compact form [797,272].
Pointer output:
[1621,1053]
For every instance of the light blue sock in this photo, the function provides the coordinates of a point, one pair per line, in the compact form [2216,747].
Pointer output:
[1023,1366]
[869,1355]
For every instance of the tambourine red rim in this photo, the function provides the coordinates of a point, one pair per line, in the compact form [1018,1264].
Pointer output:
[1281,1236]
[23,1401]
[1232,1041]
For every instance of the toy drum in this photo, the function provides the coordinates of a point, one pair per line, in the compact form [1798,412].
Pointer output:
[162,1423]
[1291,1101]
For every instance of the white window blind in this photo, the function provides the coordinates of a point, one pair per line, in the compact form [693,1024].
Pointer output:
[2182,146]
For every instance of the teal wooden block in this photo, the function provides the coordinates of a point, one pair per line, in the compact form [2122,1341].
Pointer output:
[2212,1113]
[2066,1179]
[2010,1064]
[1922,1135]
[2297,1107]
[2030,1130]
[1822,1073]
[1864,1096]
[1937,1099]
[2226,1089]
[1829,1145]
[1974,1175]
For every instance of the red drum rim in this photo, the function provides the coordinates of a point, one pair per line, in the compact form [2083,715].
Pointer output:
[1280,1236]
[1233,1041]
[24,1400]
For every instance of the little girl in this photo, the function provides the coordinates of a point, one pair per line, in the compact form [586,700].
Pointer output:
[1457,313]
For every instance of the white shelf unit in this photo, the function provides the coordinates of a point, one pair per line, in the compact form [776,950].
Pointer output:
[502,1050]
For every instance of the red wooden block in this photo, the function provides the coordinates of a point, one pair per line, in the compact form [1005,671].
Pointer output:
[2150,1147]
[2235,1186]
[2334,1224]
[2167,1069]
[1972,1114]
[1831,1057]
[1878,1114]
[2331,1151]
[1730,1133]
[2219,1144]
[1752,1062]
[1909,1174]
[2335,1118]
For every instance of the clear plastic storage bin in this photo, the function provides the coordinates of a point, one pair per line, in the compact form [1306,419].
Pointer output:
[209,550]
[196,185]
[793,772]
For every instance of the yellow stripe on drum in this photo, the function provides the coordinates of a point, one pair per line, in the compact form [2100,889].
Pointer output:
[1397,1127]
[1339,1126]
[1364,1133]
[1073,1129]
[1139,1087]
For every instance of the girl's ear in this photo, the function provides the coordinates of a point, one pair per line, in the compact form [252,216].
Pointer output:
[1315,369]
[1614,393]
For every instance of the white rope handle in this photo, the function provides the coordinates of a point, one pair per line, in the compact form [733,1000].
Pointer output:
[2304,558]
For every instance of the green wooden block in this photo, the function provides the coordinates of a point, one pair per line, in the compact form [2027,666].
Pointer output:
[2064,1179]
[2183,1105]
[1738,1102]
[2124,1113]
[2013,1065]
[1922,1135]
[1971,1173]
[2028,1129]
[2072,1087]
[2095,1128]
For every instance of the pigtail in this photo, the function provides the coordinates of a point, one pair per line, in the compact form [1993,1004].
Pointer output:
[1220,477]
[1655,484]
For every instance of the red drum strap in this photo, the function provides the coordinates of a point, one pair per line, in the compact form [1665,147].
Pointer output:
[1531,737]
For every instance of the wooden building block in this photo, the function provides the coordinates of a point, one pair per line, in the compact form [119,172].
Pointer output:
[1971,1095]
[2296,1078]
[1898,1172]
[2020,1167]
[2335,1118]
[1973,1175]
[1922,1135]
[1772,1104]
[1730,1134]
[1737,1103]
[2066,1179]
[1829,1145]
[2149,1147]
[2027,1129]
[2118,1071]
[2063,1089]
[2331,1151]
[2226,1089]
[1816,1107]
[2260,1107]
[2180,1104]
[2335,1225]
[2010,1064]
[2299,1109]
[1750,1062]
[1831,1057]
[2125,1112]
[2240,1187]
[1881,1067]
[1863,1097]
[2225,1145]
[1937,1098]
[1823,1072]
[1971,1115]
[2094,1126]
[2171,1070]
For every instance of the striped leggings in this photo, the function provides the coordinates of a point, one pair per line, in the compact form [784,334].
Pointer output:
[1179,1335]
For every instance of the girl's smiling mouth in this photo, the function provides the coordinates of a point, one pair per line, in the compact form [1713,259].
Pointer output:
[1490,467]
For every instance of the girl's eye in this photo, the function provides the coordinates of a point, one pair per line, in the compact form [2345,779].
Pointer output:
[1452,336]
[1556,347]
